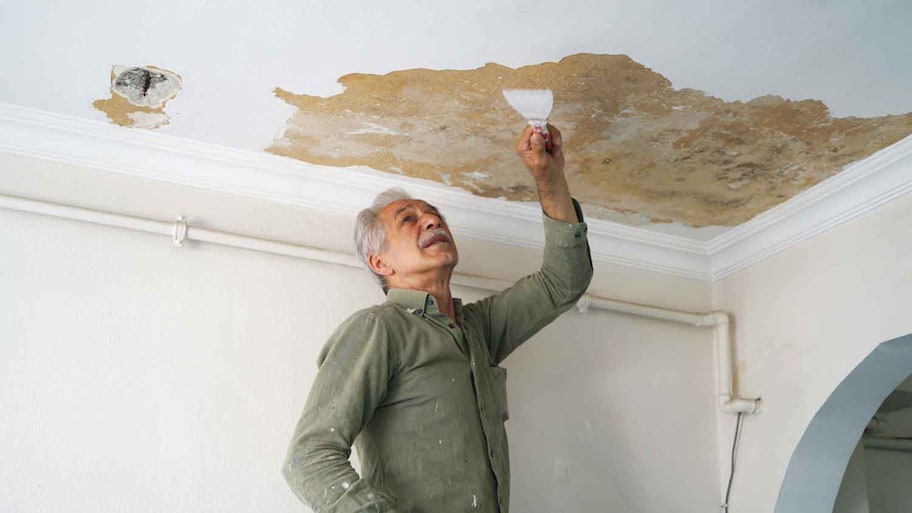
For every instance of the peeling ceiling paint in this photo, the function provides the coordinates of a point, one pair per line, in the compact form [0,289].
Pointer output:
[637,148]
[850,55]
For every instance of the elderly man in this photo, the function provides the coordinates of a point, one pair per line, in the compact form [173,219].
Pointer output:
[414,382]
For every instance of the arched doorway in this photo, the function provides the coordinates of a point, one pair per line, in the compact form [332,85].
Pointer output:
[816,468]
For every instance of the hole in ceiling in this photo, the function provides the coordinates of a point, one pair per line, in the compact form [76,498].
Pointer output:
[147,87]
[138,96]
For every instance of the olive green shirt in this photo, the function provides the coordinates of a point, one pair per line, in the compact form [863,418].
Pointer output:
[423,398]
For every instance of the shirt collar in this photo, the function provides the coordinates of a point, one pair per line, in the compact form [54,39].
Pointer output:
[417,301]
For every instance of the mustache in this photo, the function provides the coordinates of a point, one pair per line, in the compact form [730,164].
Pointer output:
[434,235]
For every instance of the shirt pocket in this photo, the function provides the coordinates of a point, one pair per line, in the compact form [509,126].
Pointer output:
[499,387]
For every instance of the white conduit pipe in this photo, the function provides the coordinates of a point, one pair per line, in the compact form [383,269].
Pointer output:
[179,231]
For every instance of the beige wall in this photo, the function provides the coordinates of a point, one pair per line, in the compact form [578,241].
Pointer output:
[804,319]
[139,377]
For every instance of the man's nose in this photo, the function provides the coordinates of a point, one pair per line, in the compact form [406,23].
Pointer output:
[429,221]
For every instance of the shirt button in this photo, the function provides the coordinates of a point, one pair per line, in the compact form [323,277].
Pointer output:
[419,311]
[430,301]
[452,325]
[577,235]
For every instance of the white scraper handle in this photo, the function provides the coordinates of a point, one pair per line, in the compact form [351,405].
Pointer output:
[541,127]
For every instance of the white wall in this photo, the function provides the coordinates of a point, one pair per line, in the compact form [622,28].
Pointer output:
[139,377]
[135,376]
[805,318]
[616,415]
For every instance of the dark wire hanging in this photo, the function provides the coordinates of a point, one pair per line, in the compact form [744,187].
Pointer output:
[731,476]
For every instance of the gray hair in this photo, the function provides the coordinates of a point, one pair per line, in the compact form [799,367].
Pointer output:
[370,232]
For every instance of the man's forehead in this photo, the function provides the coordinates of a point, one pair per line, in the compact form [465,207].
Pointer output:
[398,206]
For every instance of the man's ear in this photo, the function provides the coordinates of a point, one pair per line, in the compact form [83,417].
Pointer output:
[378,265]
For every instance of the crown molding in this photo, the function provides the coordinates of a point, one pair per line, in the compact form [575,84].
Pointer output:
[860,188]
[103,146]
[156,156]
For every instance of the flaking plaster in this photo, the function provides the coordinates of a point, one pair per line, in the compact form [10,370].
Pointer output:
[638,150]
[139,95]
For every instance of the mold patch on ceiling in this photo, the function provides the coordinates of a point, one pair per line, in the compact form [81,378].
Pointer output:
[139,95]
[638,150]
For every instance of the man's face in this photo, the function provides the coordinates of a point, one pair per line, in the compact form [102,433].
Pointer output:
[418,240]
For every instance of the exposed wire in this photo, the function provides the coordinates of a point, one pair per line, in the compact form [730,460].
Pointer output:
[734,458]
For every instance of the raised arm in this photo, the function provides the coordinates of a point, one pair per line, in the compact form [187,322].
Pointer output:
[547,168]
[514,315]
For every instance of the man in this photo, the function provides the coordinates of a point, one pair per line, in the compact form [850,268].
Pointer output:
[414,382]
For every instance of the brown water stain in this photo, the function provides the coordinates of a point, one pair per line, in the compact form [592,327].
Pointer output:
[634,144]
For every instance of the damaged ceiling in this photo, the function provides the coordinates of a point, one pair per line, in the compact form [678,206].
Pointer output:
[694,116]
[635,144]
[138,96]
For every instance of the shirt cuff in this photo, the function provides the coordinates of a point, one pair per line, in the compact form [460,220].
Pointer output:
[566,235]
[360,496]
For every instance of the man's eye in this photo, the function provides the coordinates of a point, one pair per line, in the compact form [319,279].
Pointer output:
[408,219]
